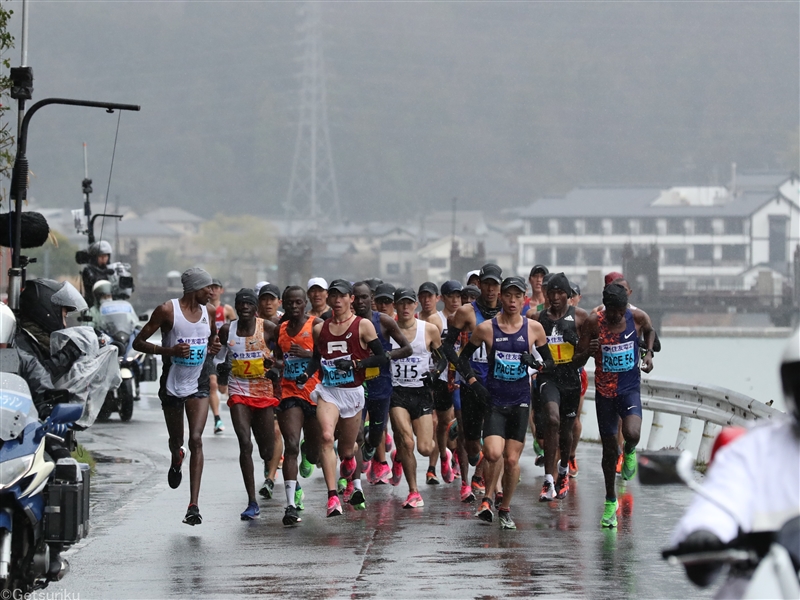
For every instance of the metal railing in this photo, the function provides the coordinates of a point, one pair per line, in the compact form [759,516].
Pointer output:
[716,407]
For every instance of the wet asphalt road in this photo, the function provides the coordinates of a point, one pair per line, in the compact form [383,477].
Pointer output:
[139,548]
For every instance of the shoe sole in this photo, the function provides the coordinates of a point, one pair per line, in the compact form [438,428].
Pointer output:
[420,505]
[545,499]
[265,493]
[335,513]
[193,521]
[432,482]
[361,499]
[179,472]
[485,516]
[249,518]
[507,527]
[291,521]
[608,525]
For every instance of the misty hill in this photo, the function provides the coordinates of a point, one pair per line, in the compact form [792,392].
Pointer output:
[494,103]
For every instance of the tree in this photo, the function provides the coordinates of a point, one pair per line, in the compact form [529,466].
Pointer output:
[6,134]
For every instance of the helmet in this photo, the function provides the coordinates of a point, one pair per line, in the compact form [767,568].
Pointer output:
[790,375]
[98,248]
[8,324]
[101,288]
[42,300]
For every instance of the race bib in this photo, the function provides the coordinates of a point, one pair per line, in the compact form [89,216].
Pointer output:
[507,366]
[294,366]
[372,373]
[333,377]
[408,370]
[197,352]
[115,309]
[618,358]
[248,365]
[480,355]
[561,351]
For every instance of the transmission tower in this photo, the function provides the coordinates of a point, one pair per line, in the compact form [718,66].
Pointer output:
[312,187]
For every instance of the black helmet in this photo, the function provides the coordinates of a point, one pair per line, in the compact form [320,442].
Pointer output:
[42,300]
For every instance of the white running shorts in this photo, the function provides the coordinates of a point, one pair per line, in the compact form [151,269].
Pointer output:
[349,401]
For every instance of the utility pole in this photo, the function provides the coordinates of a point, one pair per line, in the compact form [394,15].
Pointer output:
[312,186]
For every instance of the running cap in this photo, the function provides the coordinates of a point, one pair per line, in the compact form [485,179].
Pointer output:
[515,281]
[559,281]
[260,284]
[491,271]
[216,282]
[429,287]
[339,285]
[546,279]
[615,296]
[451,287]
[269,289]
[194,279]
[319,282]
[576,289]
[471,290]
[539,269]
[475,273]
[373,283]
[246,295]
[385,291]
[405,294]
[613,276]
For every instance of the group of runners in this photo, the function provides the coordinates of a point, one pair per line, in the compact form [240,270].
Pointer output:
[461,372]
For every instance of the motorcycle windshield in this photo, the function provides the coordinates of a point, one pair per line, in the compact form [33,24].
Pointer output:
[117,316]
[16,406]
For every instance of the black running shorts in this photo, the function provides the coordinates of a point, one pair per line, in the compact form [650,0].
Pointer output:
[509,422]
[417,401]
[309,410]
[568,399]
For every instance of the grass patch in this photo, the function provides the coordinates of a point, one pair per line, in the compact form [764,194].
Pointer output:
[82,455]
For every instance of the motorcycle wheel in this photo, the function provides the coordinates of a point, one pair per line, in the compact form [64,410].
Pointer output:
[108,408]
[126,400]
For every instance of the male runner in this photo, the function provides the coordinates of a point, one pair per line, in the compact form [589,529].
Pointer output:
[537,416]
[269,302]
[577,428]
[379,383]
[412,403]
[187,334]
[615,334]
[252,397]
[536,301]
[384,299]
[474,278]
[466,319]
[342,346]
[317,291]
[297,411]
[223,313]
[470,293]
[560,386]
[509,339]
[428,296]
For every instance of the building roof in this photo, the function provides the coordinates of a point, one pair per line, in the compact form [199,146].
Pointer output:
[172,214]
[144,228]
[761,180]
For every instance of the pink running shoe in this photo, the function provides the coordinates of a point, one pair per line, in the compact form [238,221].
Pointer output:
[467,495]
[334,506]
[447,468]
[380,473]
[388,444]
[414,500]
[397,470]
[348,491]
[347,467]
[456,467]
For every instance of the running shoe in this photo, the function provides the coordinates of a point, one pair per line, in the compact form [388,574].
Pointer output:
[299,497]
[267,488]
[334,506]
[280,462]
[456,467]
[548,492]
[414,500]
[485,511]
[388,444]
[629,465]
[397,469]
[506,522]
[573,467]
[498,498]
[348,491]
[357,500]
[174,474]
[447,468]
[380,473]
[367,452]
[193,516]
[290,516]
[218,426]
[251,512]
[619,463]
[562,486]
[347,467]
[341,485]
[366,467]
[539,462]
[305,468]
[430,476]
[478,485]
[609,514]
[467,495]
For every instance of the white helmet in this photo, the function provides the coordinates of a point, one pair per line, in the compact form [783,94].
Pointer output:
[99,248]
[8,324]
[790,375]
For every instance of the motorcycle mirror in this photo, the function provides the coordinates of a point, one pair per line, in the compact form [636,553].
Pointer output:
[66,413]
[144,318]
[659,468]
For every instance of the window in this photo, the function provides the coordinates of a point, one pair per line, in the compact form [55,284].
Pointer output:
[705,283]
[675,256]
[594,226]
[647,226]
[566,256]
[396,245]
[734,253]
[393,268]
[703,226]
[540,226]
[704,252]
[566,226]
[528,255]
[777,238]
[620,227]
[615,256]
[438,263]
[734,226]
[593,257]
[675,226]
[544,255]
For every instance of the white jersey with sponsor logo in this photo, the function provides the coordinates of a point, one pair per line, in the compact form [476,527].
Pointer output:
[185,372]
[408,372]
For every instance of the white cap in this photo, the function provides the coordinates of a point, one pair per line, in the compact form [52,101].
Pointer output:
[476,272]
[259,285]
[317,281]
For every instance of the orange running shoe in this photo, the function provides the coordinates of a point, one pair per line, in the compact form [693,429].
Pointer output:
[619,463]
[573,467]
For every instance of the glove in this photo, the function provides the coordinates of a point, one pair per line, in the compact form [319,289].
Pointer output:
[59,430]
[527,359]
[273,374]
[701,541]
[570,337]
[429,379]
[344,364]
[301,379]
[481,392]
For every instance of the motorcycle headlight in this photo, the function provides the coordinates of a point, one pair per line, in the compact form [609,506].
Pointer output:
[12,470]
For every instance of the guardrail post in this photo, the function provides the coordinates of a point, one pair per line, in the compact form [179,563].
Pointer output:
[710,431]
[683,432]
[655,440]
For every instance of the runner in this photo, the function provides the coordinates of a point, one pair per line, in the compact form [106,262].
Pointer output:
[428,295]
[384,299]
[615,334]
[297,411]
[466,319]
[537,420]
[317,291]
[379,384]
[412,403]
[187,334]
[509,339]
[470,293]
[474,278]
[577,428]
[223,313]
[252,397]
[560,386]
[269,303]
[342,346]
[537,297]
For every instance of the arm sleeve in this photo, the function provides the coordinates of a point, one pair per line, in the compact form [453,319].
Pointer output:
[313,364]
[547,357]
[60,363]
[462,364]
[449,345]
[440,361]
[379,358]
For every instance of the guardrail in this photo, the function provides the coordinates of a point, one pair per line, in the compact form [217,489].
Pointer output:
[715,406]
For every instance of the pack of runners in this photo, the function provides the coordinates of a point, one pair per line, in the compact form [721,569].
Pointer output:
[461,372]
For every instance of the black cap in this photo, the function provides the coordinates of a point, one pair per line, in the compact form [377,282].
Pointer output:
[216,282]
[373,283]
[546,279]
[514,281]
[615,296]
[340,285]
[269,290]
[385,291]
[451,287]
[429,287]
[559,281]
[538,269]
[405,294]
[246,295]
[576,289]
[471,290]
[491,271]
